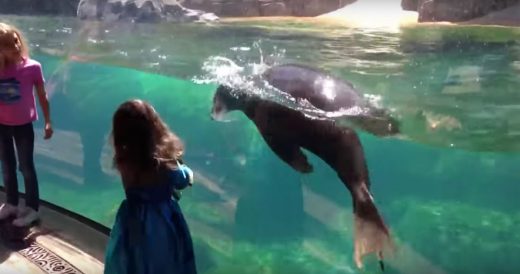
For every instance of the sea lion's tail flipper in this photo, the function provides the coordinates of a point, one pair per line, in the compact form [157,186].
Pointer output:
[370,232]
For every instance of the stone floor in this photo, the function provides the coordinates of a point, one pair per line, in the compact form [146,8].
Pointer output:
[60,243]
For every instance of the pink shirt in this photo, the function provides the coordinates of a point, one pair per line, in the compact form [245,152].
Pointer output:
[17,100]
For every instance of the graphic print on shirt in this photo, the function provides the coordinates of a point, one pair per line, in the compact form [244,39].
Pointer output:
[9,90]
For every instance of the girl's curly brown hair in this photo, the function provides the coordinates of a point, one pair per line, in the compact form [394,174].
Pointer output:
[142,141]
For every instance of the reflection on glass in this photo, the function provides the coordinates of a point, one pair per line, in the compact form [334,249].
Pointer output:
[447,187]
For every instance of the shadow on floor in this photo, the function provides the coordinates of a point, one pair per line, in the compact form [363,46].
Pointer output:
[14,239]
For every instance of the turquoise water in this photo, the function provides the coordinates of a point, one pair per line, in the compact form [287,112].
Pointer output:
[448,189]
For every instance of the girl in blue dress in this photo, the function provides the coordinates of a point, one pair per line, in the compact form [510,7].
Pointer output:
[150,234]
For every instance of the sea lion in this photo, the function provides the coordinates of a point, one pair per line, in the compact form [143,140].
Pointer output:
[330,94]
[287,130]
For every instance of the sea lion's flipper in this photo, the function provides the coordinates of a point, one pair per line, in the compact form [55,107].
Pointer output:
[370,232]
[289,153]
[371,235]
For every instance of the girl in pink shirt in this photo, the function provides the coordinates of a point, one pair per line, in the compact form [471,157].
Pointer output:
[19,76]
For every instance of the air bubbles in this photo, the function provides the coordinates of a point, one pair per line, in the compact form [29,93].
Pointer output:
[240,48]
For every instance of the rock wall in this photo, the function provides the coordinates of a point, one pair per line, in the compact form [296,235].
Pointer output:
[149,11]
[242,8]
[506,17]
[455,11]
[39,7]
[152,10]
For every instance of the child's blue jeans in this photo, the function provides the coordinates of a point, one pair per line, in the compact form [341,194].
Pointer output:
[23,137]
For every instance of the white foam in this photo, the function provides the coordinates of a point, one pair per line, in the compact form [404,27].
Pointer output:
[242,74]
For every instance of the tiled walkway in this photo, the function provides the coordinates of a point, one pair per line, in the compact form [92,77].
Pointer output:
[61,244]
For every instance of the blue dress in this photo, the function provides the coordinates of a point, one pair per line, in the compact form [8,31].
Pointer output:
[150,234]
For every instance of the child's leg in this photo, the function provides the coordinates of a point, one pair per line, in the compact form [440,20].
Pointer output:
[7,157]
[24,139]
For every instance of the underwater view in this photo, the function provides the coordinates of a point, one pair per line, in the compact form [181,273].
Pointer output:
[447,186]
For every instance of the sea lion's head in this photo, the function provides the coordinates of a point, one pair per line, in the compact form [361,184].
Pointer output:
[380,123]
[377,122]
[226,99]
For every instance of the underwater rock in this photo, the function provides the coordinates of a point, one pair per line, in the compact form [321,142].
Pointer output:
[39,7]
[140,11]
[245,8]
[445,231]
[463,80]
[455,11]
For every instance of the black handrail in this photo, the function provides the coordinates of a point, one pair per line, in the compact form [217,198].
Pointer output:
[82,219]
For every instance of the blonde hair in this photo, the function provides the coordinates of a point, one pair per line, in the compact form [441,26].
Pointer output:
[11,38]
